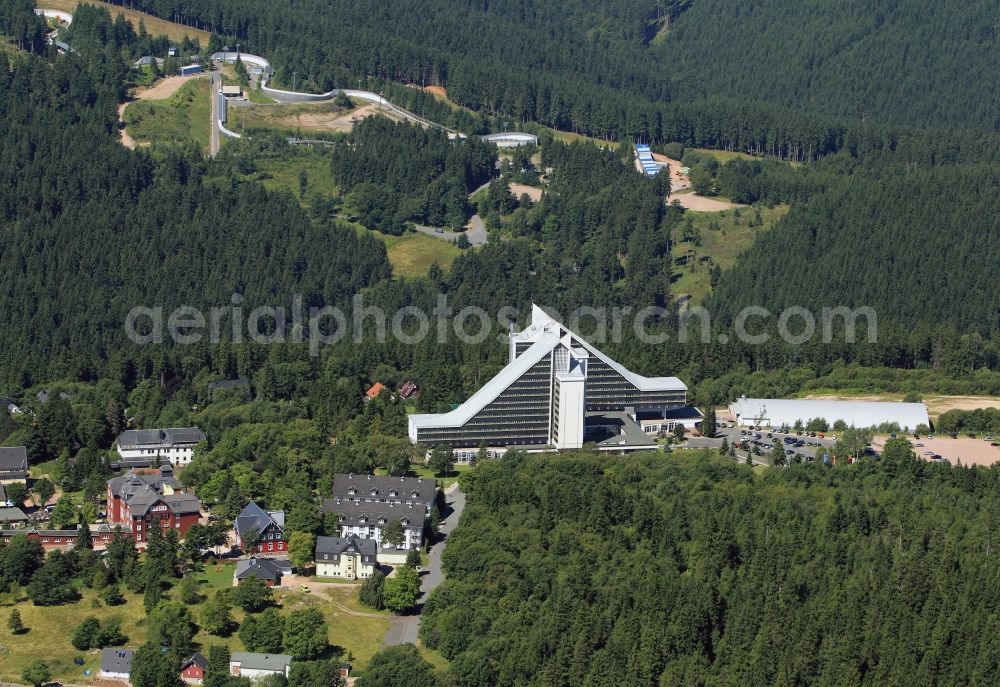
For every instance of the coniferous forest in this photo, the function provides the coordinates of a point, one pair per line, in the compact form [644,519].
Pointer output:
[691,571]
[875,122]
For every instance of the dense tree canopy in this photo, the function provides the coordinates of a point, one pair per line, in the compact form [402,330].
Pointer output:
[655,571]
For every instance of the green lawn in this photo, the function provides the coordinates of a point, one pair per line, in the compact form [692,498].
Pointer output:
[215,577]
[49,468]
[359,636]
[285,173]
[49,628]
[433,657]
[725,156]
[181,118]
[49,631]
[443,482]
[570,137]
[724,237]
[412,254]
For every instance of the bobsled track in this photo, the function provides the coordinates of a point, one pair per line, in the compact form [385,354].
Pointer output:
[262,66]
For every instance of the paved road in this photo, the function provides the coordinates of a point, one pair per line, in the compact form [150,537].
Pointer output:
[476,232]
[404,629]
[213,137]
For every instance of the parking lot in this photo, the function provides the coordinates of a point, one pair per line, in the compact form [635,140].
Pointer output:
[964,450]
[765,440]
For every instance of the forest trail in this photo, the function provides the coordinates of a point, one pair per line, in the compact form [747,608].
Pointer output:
[126,140]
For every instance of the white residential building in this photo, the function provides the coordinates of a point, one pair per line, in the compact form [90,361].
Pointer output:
[348,557]
[144,447]
[257,666]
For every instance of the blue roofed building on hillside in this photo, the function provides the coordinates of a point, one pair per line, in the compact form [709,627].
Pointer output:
[645,156]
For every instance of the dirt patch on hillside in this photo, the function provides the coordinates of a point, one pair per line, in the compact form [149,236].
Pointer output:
[161,90]
[534,193]
[164,88]
[439,91]
[692,201]
[678,181]
[126,140]
[327,121]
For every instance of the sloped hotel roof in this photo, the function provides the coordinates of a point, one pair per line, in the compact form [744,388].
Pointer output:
[544,333]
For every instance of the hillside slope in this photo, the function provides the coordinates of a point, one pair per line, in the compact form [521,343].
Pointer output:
[917,62]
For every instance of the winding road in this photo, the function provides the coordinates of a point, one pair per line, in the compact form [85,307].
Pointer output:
[405,629]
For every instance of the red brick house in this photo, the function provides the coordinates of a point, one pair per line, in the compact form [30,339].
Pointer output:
[62,539]
[50,539]
[193,669]
[266,527]
[140,498]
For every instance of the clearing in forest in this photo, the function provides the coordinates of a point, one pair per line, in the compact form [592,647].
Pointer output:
[161,90]
[532,192]
[413,253]
[184,116]
[704,240]
[692,201]
[324,117]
